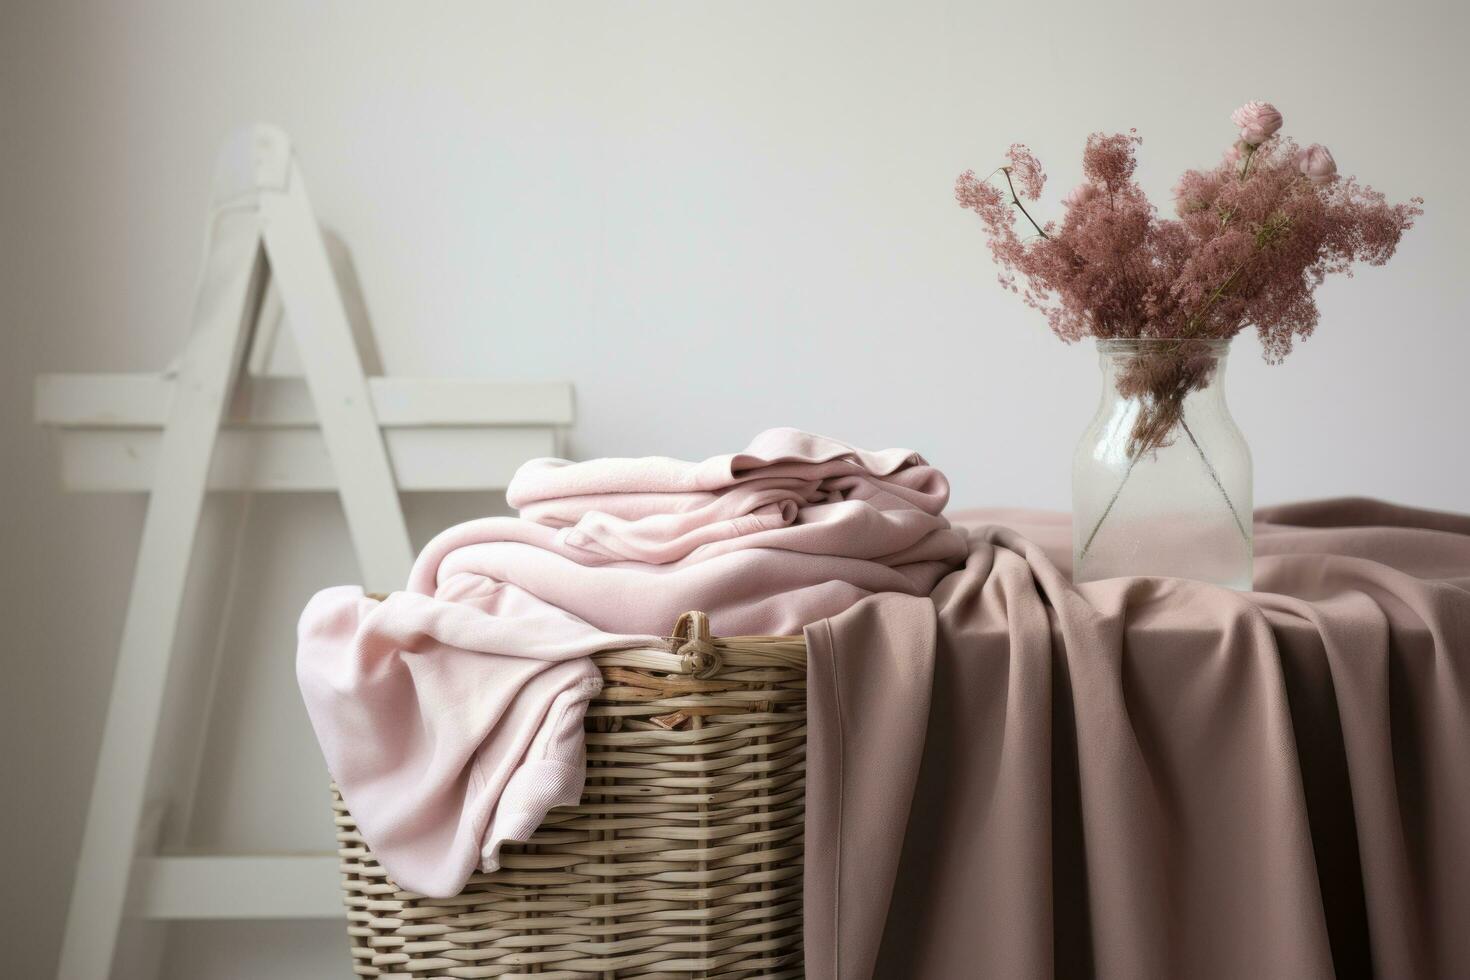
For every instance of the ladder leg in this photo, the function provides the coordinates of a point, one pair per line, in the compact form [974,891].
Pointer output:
[224,311]
[329,357]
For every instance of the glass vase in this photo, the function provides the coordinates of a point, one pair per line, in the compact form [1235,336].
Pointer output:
[1161,481]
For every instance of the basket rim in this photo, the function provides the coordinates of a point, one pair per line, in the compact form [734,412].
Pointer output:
[735,651]
[753,650]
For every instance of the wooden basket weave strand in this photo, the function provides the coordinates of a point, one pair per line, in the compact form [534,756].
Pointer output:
[683,859]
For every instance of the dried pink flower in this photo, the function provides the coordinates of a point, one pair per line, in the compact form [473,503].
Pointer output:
[1251,243]
[1108,160]
[1316,163]
[1080,195]
[1026,170]
[1197,190]
[1258,121]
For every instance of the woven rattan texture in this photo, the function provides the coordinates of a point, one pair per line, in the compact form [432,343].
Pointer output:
[683,859]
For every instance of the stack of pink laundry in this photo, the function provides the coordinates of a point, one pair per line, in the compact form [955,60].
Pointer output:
[450,714]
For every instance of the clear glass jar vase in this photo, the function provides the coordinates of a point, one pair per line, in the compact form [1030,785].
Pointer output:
[1161,481]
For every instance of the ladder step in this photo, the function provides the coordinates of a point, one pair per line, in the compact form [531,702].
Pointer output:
[296,460]
[299,886]
[111,401]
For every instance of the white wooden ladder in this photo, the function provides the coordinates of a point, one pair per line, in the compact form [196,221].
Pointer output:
[214,423]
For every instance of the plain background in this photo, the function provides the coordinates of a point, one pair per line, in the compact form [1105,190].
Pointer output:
[711,218]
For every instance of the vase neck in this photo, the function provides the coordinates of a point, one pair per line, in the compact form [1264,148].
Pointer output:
[1153,370]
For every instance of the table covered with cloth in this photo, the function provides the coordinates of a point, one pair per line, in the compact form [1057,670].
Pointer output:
[1135,778]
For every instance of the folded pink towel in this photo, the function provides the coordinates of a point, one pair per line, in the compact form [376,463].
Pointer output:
[450,714]
[775,452]
[822,496]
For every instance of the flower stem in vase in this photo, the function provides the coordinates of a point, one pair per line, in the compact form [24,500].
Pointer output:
[1152,431]
[1215,478]
[1092,535]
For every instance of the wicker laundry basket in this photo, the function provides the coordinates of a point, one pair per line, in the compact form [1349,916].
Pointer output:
[683,859]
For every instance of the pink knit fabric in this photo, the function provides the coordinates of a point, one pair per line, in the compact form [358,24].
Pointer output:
[451,722]
[450,714]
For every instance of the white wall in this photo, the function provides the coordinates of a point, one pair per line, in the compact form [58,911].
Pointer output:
[711,218]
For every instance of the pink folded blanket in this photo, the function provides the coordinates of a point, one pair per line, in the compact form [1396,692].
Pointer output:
[789,490]
[450,714]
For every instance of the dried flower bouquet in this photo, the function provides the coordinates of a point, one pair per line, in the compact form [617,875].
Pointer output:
[1255,236]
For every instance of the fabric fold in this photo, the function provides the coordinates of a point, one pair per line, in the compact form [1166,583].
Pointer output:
[1155,778]
[870,741]
[428,709]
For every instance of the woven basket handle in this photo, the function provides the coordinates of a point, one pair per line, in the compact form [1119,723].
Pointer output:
[691,641]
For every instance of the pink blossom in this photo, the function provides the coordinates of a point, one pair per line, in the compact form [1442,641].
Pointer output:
[1316,163]
[1247,250]
[1258,121]
[1108,160]
[1181,194]
[1080,195]
[1197,190]
[1234,154]
[1026,171]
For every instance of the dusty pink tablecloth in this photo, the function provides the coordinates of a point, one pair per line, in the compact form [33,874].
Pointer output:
[1147,778]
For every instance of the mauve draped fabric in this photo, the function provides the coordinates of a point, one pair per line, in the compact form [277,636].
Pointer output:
[1144,778]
